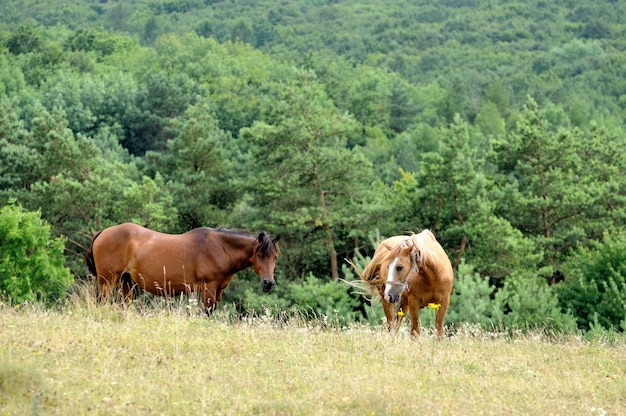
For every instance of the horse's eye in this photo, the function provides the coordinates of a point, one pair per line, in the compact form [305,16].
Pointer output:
[399,268]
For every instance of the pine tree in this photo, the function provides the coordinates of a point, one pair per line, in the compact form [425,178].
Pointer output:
[305,178]
[549,194]
[457,200]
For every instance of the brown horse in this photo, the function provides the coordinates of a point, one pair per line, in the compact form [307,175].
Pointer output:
[413,271]
[203,259]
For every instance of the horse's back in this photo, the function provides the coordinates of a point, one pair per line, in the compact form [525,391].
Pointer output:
[151,259]
[118,237]
[435,258]
[427,242]
[117,246]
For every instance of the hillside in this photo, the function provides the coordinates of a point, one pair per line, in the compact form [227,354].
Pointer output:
[566,52]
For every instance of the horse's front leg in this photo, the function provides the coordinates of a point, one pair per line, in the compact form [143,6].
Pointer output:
[414,310]
[209,296]
[394,313]
[389,310]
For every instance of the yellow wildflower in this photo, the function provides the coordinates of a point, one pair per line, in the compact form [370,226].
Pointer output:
[434,306]
[400,313]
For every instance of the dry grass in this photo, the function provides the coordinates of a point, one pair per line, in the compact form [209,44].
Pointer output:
[107,360]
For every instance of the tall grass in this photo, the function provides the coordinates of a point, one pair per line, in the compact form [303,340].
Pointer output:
[165,358]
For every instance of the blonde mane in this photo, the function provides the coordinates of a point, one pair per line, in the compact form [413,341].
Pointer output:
[424,243]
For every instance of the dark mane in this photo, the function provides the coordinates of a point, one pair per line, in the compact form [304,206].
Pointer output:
[268,246]
[229,231]
[223,230]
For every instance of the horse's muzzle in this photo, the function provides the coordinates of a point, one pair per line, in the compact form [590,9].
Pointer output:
[267,285]
[392,298]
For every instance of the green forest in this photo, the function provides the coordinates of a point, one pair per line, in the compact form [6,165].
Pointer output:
[498,125]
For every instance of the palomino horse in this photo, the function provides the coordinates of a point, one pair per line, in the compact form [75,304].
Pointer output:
[203,259]
[413,271]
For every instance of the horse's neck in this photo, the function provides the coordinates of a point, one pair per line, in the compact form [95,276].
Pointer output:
[239,248]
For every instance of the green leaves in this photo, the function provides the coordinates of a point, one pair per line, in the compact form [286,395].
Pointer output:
[31,261]
[315,298]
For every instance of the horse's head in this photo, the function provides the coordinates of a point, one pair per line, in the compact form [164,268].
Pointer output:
[401,262]
[264,259]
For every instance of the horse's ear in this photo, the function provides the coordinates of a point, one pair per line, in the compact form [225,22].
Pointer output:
[277,238]
[405,245]
[261,236]
[417,257]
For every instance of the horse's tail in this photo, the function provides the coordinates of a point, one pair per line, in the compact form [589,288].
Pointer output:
[364,286]
[371,273]
[89,260]
[371,283]
[370,270]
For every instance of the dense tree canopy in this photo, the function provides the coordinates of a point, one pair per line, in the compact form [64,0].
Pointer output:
[498,125]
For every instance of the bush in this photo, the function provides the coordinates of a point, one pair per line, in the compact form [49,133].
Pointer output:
[471,300]
[31,263]
[528,302]
[594,290]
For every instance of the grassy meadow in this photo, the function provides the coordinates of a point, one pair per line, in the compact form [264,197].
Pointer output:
[147,360]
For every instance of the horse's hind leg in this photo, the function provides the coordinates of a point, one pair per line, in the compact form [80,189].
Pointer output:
[108,288]
[105,287]
[441,314]
[127,287]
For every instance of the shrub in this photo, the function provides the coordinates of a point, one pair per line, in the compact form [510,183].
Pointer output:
[31,263]
[594,290]
[471,300]
[528,302]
